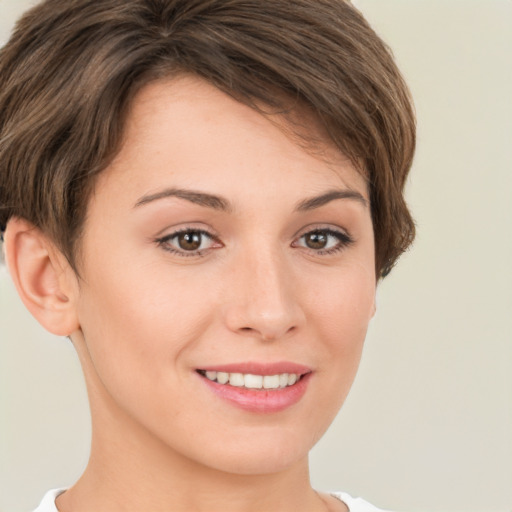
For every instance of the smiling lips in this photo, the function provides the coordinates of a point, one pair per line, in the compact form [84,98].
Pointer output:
[258,388]
[251,381]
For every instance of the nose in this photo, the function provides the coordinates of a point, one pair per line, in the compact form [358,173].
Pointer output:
[263,300]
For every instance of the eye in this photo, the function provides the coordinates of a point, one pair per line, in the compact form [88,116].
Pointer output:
[324,241]
[188,242]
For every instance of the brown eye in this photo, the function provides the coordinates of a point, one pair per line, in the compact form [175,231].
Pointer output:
[190,241]
[316,240]
[324,241]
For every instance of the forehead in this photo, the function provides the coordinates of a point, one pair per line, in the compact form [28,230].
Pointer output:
[185,129]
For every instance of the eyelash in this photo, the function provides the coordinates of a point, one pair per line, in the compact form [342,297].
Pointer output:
[344,241]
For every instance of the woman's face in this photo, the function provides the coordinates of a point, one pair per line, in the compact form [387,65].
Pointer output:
[216,248]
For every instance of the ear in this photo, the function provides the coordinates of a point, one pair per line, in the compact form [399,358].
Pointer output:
[43,277]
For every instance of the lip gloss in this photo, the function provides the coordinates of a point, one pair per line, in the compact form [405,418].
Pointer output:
[260,400]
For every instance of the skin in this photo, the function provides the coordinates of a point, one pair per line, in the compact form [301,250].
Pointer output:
[145,313]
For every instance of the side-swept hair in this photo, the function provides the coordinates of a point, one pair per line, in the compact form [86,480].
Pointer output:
[71,69]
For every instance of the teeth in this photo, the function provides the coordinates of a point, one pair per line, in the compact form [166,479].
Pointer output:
[236,379]
[251,381]
[211,375]
[271,381]
[292,379]
[222,377]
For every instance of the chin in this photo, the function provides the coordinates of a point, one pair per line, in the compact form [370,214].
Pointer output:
[257,453]
[266,463]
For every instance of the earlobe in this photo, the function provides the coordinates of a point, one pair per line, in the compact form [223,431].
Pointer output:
[42,276]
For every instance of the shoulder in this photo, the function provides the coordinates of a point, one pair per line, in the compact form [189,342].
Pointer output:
[48,503]
[356,504]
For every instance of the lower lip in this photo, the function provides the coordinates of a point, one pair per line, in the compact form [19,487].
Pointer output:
[261,401]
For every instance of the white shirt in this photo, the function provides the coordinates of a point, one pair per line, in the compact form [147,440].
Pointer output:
[353,504]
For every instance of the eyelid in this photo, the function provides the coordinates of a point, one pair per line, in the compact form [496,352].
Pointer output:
[311,228]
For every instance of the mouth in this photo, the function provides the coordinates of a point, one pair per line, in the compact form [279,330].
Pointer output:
[252,381]
[258,388]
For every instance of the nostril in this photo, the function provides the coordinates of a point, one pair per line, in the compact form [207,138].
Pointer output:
[246,331]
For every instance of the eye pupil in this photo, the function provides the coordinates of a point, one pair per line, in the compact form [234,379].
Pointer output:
[190,241]
[316,240]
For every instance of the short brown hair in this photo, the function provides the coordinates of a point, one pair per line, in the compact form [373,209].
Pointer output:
[71,69]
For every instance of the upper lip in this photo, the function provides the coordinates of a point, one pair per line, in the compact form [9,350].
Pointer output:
[259,368]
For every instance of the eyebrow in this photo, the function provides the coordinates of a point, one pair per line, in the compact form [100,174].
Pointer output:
[221,204]
[200,198]
[327,197]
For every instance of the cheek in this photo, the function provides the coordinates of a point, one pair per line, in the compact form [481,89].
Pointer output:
[342,314]
[338,317]
[345,305]
[134,342]
[140,325]
[138,314]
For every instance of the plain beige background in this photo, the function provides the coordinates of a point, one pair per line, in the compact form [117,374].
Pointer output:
[428,425]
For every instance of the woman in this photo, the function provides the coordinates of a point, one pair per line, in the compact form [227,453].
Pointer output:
[202,195]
